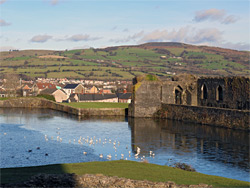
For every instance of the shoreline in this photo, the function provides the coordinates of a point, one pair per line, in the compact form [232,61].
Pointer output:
[44,103]
[129,170]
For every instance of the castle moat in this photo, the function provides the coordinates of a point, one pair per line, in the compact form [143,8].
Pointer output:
[42,136]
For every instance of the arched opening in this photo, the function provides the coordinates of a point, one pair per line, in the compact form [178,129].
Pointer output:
[204,92]
[219,94]
[178,97]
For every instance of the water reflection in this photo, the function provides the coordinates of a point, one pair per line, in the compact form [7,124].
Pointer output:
[208,149]
[43,114]
[210,143]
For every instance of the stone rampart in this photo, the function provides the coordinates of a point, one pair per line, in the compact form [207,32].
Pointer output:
[43,103]
[220,117]
[177,99]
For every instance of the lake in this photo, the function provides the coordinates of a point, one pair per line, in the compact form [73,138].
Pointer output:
[41,136]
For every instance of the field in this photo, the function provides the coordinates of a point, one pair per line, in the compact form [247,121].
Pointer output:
[125,62]
[97,105]
[122,168]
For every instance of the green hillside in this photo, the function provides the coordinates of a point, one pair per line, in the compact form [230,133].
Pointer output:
[124,62]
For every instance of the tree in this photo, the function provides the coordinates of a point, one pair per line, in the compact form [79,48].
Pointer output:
[12,84]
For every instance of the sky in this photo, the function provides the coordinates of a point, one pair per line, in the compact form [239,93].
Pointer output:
[80,24]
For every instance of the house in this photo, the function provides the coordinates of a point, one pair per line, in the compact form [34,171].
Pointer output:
[124,97]
[59,94]
[92,89]
[41,86]
[74,88]
[106,91]
[3,93]
[29,90]
[87,97]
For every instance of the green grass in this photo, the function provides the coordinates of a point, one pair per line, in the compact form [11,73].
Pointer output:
[121,168]
[137,59]
[97,105]
[4,98]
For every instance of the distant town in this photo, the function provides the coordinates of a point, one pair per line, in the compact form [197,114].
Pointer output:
[68,90]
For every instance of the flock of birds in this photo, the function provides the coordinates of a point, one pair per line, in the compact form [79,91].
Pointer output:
[92,141]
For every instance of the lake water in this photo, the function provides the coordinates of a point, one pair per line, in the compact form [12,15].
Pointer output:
[40,137]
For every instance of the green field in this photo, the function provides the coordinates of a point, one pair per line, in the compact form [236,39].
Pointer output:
[122,168]
[123,63]
[97,105]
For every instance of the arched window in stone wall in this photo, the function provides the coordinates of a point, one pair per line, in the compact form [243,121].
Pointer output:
[178,95]
[219,94]
[204,92]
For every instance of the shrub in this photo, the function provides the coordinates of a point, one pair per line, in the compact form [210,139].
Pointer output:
[184,166]
[49,97]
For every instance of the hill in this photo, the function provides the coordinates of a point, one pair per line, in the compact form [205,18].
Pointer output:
[124,62]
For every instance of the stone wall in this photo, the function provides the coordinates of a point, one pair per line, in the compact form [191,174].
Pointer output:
[190,99]
[228,118]
[146,99]
[233,92]
[43,103]
[147,96]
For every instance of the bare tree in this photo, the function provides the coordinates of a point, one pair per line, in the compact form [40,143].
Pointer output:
[12,84]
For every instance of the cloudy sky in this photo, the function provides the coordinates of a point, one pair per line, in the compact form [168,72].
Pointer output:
[72,24]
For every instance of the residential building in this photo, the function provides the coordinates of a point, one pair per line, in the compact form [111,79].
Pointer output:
[87,97]
[59,94]
[29,89]
[92,89]
[41,86]
[74,88]
[124,97]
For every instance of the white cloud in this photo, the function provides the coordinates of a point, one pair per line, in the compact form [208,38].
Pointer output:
[41,38]
[229,19]
[2,1]
[6,48]
[204,35]
[129,38]
[185,34]
[80,47]
[214,15]
[81,37]
[4,23]
[238,46]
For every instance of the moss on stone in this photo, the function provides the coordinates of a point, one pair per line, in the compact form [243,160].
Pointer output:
[137,86]
[147,77]
[150,77]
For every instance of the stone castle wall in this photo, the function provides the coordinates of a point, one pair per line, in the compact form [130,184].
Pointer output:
[220,117]
[231,92]
[183,99]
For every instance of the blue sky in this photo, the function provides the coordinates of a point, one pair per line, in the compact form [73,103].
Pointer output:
[72,24]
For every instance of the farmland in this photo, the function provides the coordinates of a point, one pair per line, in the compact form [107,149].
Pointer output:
[125,62]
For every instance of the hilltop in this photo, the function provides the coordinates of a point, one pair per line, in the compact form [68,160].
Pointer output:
[124,62]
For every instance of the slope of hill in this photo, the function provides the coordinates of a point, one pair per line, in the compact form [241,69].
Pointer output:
[124,62]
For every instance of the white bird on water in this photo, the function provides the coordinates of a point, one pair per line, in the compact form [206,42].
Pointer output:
[109,157]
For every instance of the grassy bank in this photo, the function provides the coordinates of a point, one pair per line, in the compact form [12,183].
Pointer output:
[127,169]
[97,105]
